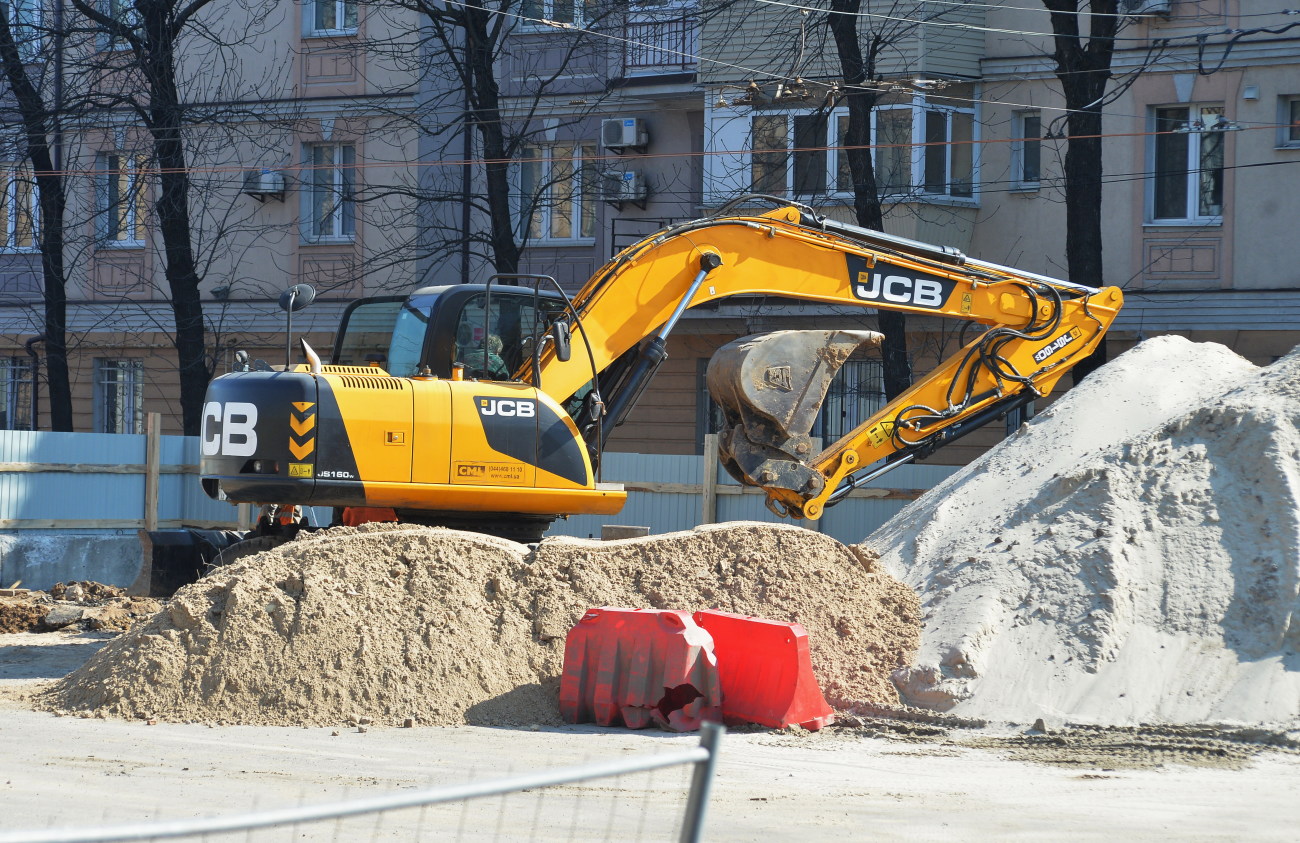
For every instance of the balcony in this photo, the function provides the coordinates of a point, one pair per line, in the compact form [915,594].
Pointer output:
[662,45]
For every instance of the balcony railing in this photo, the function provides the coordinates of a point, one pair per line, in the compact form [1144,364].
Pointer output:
[663,45]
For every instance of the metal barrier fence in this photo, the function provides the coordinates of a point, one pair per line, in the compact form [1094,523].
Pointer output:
[703,758]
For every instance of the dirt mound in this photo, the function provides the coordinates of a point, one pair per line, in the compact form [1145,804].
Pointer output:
[86,605]
[1132,556]
[21,613]
[446,627]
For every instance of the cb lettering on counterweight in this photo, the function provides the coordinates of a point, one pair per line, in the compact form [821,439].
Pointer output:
[229,429]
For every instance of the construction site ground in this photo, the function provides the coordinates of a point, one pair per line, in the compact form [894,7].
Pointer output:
[883,778]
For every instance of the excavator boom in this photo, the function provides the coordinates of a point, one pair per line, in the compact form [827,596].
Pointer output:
[770,386]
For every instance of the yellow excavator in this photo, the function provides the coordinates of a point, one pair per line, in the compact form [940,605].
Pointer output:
[486,406]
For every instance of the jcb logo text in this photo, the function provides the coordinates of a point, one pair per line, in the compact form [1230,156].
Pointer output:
[228,429]
[900,289]
[507,407]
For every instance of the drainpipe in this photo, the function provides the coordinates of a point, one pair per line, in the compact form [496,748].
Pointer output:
[36,370]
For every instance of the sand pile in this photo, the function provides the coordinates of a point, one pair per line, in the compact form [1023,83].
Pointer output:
[446,627]
[1132,555]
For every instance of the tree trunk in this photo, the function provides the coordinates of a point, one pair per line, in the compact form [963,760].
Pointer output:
[1083,71]
[486,99]
[172,207]
[49,186]
[856,69]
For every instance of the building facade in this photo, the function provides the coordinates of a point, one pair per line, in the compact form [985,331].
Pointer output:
[370,168]
[297,132]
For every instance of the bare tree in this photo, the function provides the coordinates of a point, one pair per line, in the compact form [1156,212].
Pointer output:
[509,73]
[859,54]
[38,113]
[1083,67]
[152,32]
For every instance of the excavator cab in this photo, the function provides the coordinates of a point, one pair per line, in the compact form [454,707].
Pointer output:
[488,332]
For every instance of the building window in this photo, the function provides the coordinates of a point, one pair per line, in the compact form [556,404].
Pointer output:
[1187,152]
[535,12]
[333,191]
[558,189]
[1026,150]
[332,17]
[25,24]
[19,209]
[893,150]
[125,13]
[916,148]
[949,152]
[122,208]
[15,393]
[119,395]
[855,395]
[769,162]
[1288,118]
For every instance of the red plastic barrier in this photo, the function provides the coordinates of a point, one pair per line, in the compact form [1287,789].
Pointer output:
[766,671]
[633,667]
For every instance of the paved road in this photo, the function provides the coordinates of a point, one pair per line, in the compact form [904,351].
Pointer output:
[771,786]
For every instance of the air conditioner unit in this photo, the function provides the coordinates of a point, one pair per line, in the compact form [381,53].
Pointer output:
[620,133]
[264,184]
[1148,7]
[627,186]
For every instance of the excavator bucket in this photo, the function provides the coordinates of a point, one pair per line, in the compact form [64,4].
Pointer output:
[770,388]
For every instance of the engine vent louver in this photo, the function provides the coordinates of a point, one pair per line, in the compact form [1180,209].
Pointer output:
[354,382]
[348,370]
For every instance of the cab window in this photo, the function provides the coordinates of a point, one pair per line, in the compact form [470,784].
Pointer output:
[367,331]
[494,345]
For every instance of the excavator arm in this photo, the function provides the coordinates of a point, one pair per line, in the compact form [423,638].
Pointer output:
[770,387]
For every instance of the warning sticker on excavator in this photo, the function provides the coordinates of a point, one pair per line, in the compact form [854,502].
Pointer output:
[300,469]
[880,433]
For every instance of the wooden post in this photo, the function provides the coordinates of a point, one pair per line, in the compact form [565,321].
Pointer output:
[709,498]
[152,463]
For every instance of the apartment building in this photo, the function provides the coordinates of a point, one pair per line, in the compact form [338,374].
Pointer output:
[298,132]
[627,119]
[1199,150]
[1201,163]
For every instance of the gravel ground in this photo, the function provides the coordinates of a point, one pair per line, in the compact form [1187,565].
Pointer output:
[885,778]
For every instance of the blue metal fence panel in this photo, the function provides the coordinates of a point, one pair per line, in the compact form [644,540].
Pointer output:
[65,495]
[93,496]
[663,512]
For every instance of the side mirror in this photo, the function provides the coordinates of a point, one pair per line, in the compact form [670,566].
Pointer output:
[563,336]
[297,297]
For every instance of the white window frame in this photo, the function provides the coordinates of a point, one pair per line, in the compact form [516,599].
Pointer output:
[25,19]
[20,211]
[538,181]
[343,10]
[121,204]
[533,13]
[1288,122]
[336,179]
[120,10]
[835,156]
[1026,150]
[947,153]
[15,394]
[1200,123]
[119,395]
